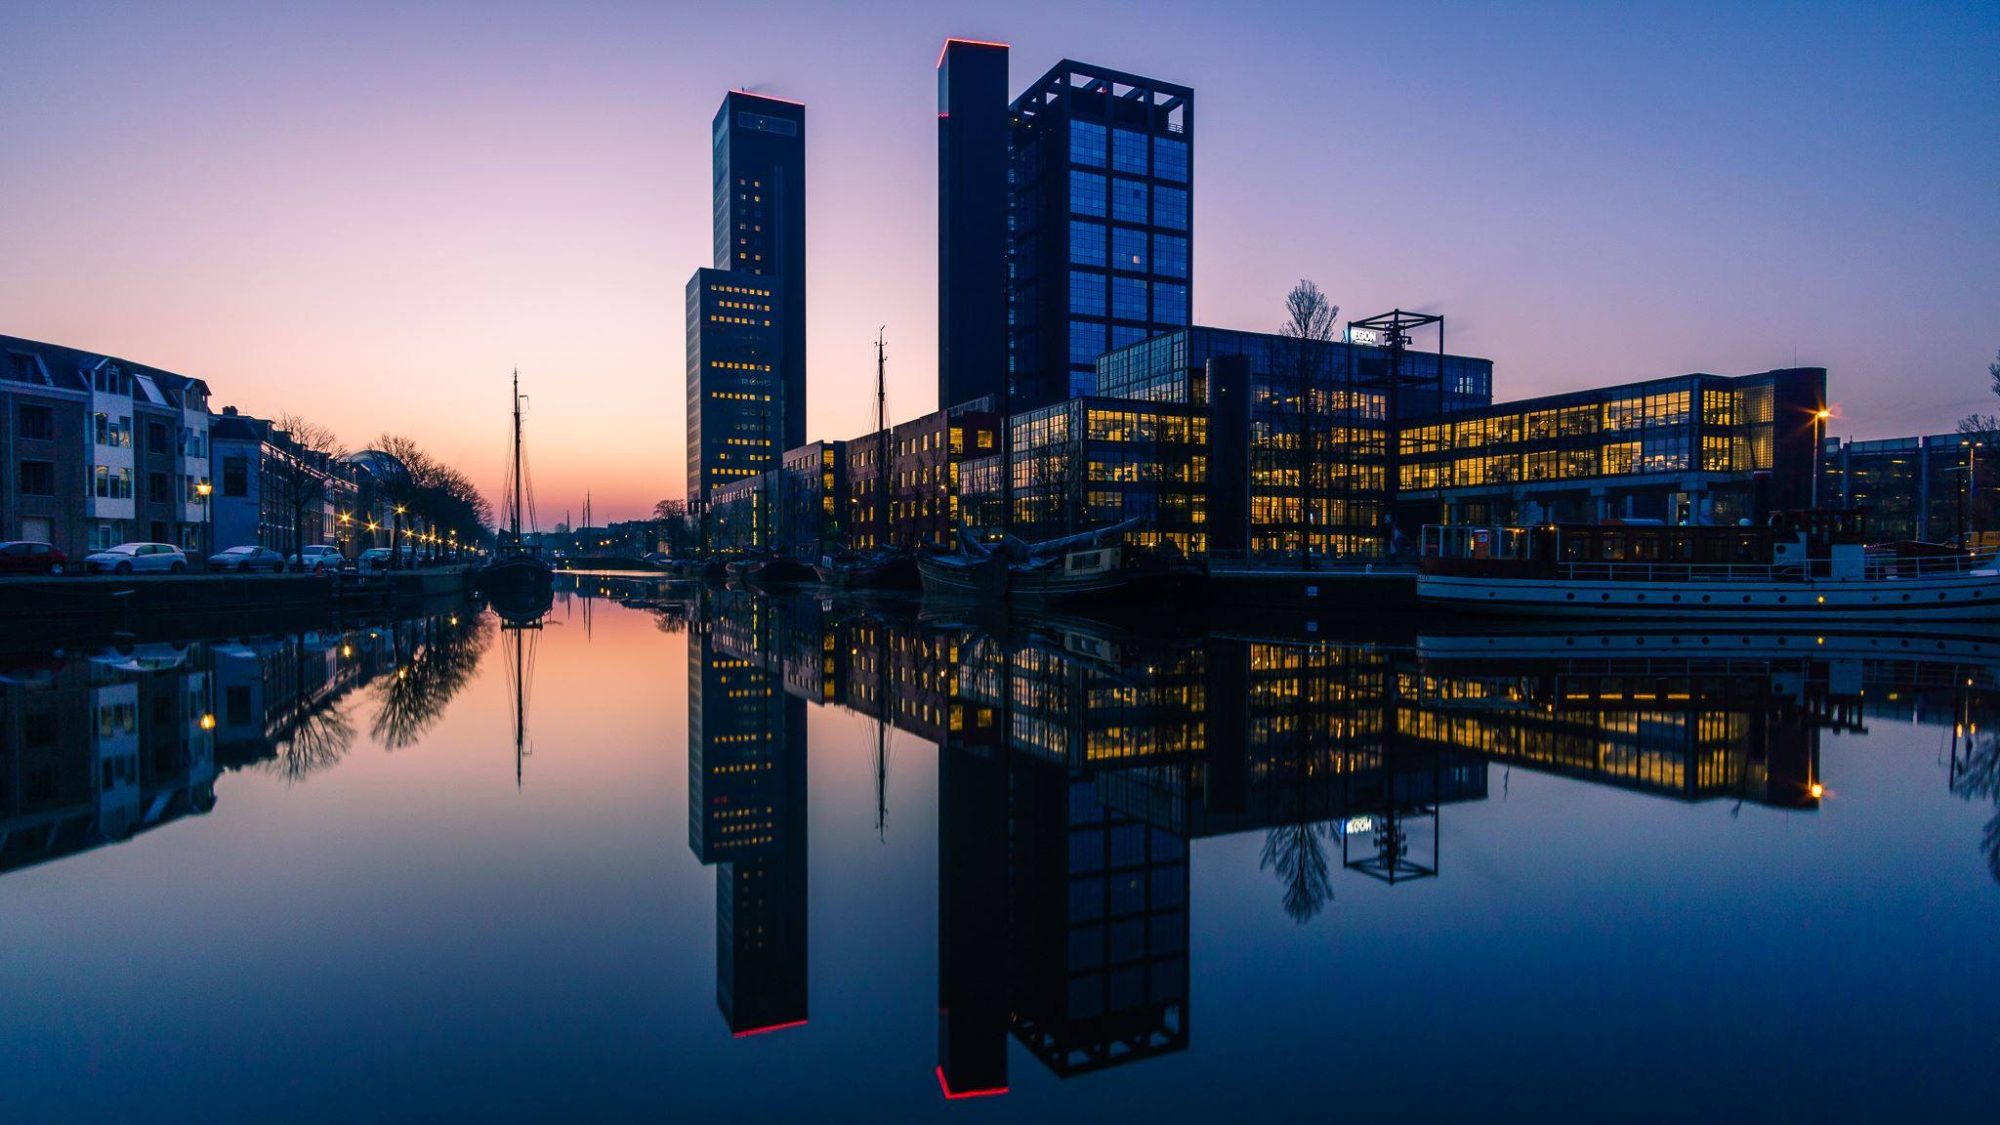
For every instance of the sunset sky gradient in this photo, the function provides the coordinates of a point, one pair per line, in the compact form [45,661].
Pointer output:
[367,214]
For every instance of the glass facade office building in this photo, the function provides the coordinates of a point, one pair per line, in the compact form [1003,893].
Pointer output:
[1701,449]
[1300,430]
[746,316]
[1101,217]
[1934,488]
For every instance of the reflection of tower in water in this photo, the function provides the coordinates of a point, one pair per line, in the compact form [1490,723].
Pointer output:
[747,812]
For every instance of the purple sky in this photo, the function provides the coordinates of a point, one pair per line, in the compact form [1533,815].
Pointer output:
[367,214]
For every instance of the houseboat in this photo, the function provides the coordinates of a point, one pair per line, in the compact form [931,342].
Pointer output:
[1799,565]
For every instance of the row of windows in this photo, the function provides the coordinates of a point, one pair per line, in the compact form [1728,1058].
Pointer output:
[1125,298]
[1128,200]
[1128,249]
[1128,151]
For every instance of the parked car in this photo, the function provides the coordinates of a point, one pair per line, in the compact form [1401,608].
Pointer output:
[318,558]
[138,558]
[26,556]
[247,558]
[377,558]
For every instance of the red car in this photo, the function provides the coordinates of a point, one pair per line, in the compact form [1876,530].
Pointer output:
[25,556]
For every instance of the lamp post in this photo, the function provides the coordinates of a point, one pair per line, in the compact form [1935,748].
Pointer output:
[205,490]
[396,541]
[1819,449]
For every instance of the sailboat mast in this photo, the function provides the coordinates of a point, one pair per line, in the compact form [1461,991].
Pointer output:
[882,442]
[515,516]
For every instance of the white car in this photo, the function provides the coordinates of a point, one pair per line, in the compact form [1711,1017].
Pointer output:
[138,558]
[318,558]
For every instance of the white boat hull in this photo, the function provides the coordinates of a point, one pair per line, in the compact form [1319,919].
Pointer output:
[1962,596]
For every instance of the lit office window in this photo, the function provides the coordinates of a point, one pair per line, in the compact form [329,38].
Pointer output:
[1128,249]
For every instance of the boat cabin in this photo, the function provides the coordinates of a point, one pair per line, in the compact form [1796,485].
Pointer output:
[1825,542]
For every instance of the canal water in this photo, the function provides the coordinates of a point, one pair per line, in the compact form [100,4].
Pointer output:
[849,859]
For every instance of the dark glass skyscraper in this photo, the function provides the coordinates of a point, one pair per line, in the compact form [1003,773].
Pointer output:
[972,222]
[1100,215]
[750,309]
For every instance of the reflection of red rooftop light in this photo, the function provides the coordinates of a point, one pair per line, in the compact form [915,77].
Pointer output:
[954,1095]
[971,42]
[745,1034]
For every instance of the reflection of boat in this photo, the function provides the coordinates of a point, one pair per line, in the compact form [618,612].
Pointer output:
[770,570]
[869,570]
[1804,565]
[1089,565]
[1956,644]
[517,570]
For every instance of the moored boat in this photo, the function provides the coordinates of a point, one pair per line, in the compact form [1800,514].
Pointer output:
[874,570]
[1800,565]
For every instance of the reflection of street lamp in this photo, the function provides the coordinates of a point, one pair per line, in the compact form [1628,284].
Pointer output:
[204,490]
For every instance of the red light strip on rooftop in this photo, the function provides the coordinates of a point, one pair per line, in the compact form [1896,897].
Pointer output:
[950,1095]
[768,97]
[766,1030]
[970,42]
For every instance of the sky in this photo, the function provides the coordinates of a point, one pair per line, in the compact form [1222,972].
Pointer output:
[369,214]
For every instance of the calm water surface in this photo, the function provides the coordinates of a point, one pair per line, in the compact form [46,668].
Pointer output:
[853,859]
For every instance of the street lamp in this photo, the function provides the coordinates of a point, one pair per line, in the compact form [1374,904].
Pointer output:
[209,521]
[1819,449]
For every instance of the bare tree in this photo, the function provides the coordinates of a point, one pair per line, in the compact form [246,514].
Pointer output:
[1304,356]
[298,469]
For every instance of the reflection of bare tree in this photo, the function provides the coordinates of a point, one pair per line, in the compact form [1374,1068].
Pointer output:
[309,733]
[435,659]
[318,739]
[1297,852]
[669,619]
[1976,777]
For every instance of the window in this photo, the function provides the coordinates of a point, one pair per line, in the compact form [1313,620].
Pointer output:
[1086,243]
[236,476]
[1086,341]
[38,423]
[110,432]
[1171,208]
[1086,143]
[38,478]
[1170,302]
[156,488]
[1123,335]
[1170,159]
[1128,200]
[1086,193]
[112,486]
[1128,150]
[1170,255]
[156,437]
[1128,298]
[1086,293]
[1128,249]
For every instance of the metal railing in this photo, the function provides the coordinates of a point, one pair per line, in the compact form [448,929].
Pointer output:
[1876,568]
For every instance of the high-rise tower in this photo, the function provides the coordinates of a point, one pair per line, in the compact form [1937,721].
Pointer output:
[972,222]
